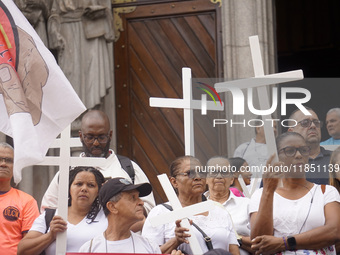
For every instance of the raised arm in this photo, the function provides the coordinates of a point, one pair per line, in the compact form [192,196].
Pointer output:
[261,222]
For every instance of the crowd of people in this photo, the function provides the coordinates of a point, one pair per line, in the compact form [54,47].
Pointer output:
[110,209]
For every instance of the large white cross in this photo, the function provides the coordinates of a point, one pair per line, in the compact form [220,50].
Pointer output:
[181,213]
[64,161]
[260,81]
[188,104]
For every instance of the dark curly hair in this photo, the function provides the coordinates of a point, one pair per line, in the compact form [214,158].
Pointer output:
[95,208]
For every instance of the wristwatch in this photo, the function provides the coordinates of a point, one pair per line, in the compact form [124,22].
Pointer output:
[239,240]
[291,243]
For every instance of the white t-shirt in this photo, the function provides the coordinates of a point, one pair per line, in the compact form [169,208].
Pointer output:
[291,217]
[112,169]
[254,153]
[217,225]
[238,208]
[134,244]
[77,235]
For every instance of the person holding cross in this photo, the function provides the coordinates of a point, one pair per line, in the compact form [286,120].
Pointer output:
[213,228]
[85,219]
[299,217]
[18,210]
[95,135]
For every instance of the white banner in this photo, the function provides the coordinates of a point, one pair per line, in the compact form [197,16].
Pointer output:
[37,101]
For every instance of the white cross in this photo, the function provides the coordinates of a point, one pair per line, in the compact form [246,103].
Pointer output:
[260,81]
[64,161]
[180,212]
[188,104]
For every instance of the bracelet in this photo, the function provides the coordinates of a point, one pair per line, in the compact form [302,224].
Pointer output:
[284,241]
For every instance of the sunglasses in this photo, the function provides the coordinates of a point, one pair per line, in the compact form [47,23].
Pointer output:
[291,151]
[307,123]
[192,173]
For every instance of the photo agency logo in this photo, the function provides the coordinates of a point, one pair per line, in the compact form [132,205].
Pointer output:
[284,96]
[201,87]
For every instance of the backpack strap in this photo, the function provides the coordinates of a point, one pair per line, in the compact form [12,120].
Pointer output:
[323,188]
[126,164]
[206,238]
[49,213]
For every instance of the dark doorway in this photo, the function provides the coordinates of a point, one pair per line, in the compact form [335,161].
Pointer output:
[308,38]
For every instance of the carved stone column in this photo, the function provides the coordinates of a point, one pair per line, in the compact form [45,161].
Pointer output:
[241,19]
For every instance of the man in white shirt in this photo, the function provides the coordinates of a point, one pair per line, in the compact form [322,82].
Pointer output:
[95,135]
[123,208]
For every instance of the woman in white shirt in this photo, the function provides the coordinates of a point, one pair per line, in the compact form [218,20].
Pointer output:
[190,184]
[219,179]
[300,217]
[85,218]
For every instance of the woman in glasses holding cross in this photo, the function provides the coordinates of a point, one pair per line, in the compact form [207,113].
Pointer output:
[189,182]
[300,217]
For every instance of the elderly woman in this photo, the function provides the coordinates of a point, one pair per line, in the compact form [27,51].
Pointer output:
[190,185]
[219,182]
[300,217]
[85,219]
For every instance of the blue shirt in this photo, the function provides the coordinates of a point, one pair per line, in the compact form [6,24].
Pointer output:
[331,141]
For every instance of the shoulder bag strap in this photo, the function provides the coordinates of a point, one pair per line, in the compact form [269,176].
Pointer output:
[206,238]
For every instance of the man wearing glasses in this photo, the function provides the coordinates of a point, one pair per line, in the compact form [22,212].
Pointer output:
[309,126]
[18,210]
[95,135]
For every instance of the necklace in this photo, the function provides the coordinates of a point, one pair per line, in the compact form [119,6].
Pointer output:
[133,243]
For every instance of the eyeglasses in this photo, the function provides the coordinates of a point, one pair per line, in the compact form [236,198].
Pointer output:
[291,151]
[7,160]
[223,174]
[306,123]
[89,139]
[192,173]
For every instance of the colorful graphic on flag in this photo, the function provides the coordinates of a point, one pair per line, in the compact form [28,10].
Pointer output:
[36,100]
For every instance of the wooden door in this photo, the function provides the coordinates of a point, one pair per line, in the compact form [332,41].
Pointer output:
[157,40]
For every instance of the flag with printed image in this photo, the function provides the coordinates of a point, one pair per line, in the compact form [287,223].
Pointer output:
[36,100]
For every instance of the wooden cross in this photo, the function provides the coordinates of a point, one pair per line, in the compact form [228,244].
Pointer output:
[188,104]
[180,212]
[64,161]
[260,81]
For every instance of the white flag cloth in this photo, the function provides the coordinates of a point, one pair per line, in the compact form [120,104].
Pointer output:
[36,100]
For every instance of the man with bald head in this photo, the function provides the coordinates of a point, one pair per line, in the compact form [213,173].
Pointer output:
[333,127]
[309,126]
[95,135]
[18,210]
